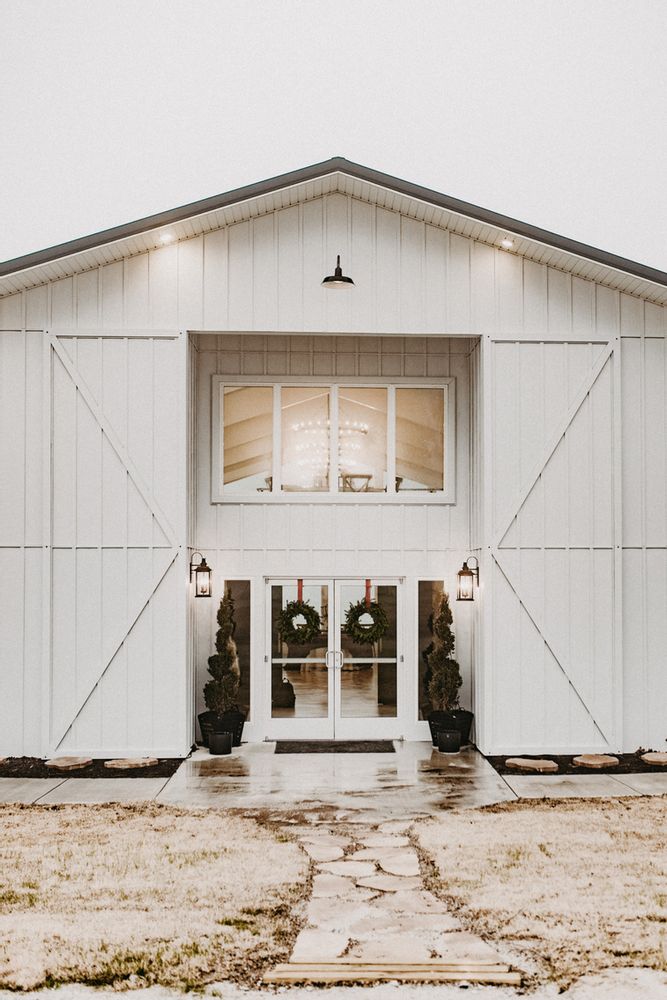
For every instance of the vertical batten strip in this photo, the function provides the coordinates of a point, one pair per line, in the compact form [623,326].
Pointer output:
[617,458]
[643,526]
[47,530]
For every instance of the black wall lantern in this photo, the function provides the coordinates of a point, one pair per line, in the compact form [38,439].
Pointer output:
[467,577]
[202,574]
[337,279]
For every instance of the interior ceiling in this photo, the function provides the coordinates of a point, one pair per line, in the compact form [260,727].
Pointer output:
[336,175]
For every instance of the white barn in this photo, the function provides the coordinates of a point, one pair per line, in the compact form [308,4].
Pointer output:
[186,384]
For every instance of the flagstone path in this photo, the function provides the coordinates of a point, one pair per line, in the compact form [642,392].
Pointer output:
[371,919]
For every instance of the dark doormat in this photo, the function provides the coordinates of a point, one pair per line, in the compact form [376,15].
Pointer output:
[334,746]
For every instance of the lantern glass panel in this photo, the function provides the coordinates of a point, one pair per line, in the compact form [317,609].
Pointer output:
[465,586]
[202,582]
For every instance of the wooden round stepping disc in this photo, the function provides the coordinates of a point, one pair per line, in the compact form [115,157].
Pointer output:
[128,763]
[657,757]
[595,760]
[69,763]
[539,766]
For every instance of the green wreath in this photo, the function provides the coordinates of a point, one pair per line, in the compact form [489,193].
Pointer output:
[365,633]
[306,631]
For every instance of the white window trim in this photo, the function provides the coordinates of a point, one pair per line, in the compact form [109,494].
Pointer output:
[446,496]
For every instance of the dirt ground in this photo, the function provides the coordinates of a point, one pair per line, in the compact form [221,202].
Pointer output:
[569,886]
[136,895]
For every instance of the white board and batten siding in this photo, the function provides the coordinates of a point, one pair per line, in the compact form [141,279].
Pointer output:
[568,500]
[264,275]
[92,550]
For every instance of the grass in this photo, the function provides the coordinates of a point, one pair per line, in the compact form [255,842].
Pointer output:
[572,886]
[139,895]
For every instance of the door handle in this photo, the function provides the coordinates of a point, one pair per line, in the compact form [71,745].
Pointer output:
[339,663]
[329,653]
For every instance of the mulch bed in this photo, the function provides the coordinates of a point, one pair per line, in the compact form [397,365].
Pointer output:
[628,763]
[34,767]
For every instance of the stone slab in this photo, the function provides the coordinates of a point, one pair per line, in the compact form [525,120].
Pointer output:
[399,862]
[349,869]
[385,840]
[319,946]
[129,763]
[327,914]
[542,766]
[330,886]
[389,883]
[655,757]
[68,763]
[595,761]
[323,852]
[397,922]
[411,902]
[396,825]
[394,948]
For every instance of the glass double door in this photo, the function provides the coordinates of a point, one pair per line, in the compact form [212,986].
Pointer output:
[334,657]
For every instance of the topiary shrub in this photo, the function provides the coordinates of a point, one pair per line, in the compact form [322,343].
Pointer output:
[445,675]
[221,692]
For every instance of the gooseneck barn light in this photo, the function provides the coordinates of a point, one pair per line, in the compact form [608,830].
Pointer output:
[337,279]
[201,572]
[467,576]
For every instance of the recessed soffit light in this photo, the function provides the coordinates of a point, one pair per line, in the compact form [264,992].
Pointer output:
[507,243]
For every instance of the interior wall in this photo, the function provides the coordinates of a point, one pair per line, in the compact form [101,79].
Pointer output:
[253,540]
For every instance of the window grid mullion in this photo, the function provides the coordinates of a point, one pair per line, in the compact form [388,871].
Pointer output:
[391,439]
[333,440]
[277,485]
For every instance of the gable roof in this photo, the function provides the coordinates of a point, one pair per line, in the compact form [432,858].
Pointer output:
[336,174]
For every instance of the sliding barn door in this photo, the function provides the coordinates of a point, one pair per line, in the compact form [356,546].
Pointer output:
[117,613]
[553,668]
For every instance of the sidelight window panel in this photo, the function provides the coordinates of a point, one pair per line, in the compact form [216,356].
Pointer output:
[430,595]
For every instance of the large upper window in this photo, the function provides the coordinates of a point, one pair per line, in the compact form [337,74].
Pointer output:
[360,441]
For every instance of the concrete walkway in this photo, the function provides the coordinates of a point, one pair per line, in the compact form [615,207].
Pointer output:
[414,781]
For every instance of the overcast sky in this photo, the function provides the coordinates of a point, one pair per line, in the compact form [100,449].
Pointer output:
[551,111]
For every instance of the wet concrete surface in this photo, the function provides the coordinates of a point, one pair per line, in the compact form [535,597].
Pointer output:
[415,781]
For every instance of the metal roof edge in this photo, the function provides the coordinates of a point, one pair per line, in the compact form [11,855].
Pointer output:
[312,172]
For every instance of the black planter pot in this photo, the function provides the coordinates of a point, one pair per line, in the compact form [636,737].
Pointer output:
[206,720]
[458,718]
[220,743]
[230,722]
[449,741]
